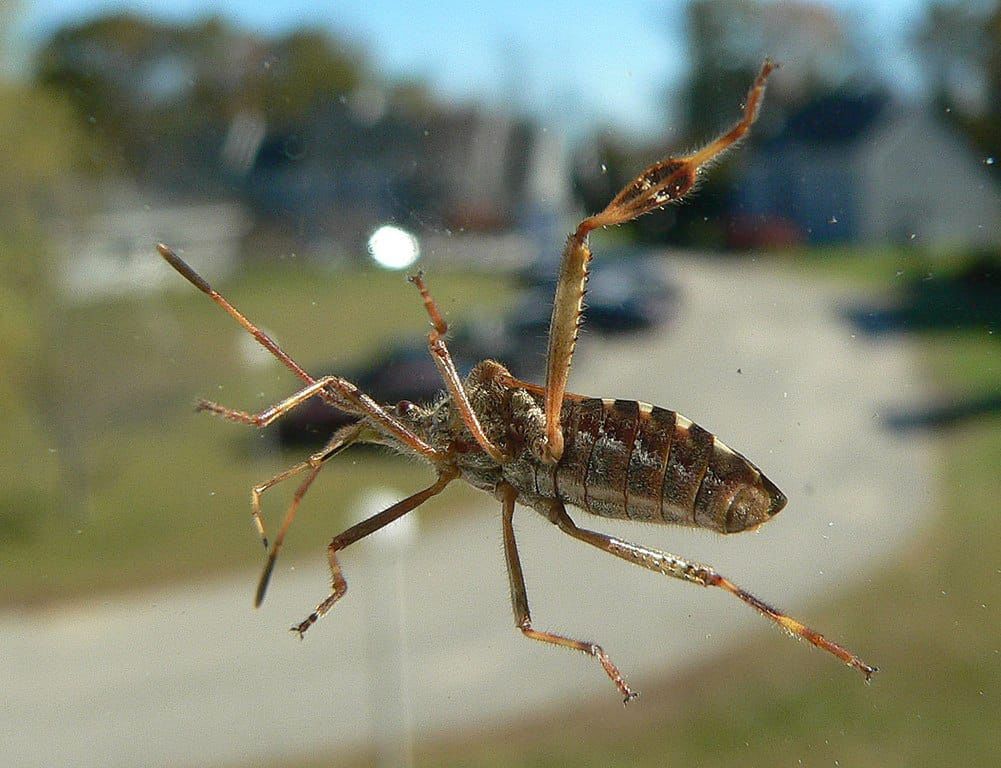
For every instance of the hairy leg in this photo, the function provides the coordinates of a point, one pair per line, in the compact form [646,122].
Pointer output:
[667,181]
[704,575]
[443,362]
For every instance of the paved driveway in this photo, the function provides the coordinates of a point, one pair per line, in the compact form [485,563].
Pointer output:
[424,642]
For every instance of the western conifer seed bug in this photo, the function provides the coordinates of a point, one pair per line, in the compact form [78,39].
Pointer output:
[540,446]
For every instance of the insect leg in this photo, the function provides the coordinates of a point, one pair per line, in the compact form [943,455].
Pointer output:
[262,338]
[443,362]
[340,440]
[265,417]
[336,391]
[356,532]
[664,182]
[522,617]
[679,568]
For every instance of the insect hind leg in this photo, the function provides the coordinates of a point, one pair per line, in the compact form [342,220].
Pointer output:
[523,618]
[696,573]
[340,440]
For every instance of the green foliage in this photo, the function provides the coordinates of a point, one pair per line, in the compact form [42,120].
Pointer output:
[161,95]
[144,475]
[309,70]
[39,152]
[38,147]
[959,43]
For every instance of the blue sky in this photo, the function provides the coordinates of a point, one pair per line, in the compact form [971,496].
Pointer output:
[574,61]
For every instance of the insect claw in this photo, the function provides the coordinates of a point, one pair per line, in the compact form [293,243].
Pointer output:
[305,624]
[629,697]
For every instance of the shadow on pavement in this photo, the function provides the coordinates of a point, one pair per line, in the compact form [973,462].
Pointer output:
[944,414]
[968,298]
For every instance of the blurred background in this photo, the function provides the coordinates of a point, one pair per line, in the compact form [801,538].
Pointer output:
[828,302]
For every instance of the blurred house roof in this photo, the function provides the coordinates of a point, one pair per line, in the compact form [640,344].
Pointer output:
[342,173]
[863,168]
[113,253]
[836,118]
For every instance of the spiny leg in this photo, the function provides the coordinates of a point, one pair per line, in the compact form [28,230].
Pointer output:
[344,396]
[268,415]
[340,440]
[519,601]
[679,568]
[443,362]
[667,181]
[335,391]
[356,532]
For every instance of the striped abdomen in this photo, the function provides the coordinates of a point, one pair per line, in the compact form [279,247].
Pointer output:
[630,460]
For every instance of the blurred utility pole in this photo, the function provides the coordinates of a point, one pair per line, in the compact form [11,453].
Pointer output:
[388,660]
[16,45]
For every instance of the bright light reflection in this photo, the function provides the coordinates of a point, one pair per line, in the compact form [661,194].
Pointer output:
[393,248]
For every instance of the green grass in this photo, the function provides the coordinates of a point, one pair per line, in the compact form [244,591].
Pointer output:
[929,620]
[877,267]
[123,486]
[113,482]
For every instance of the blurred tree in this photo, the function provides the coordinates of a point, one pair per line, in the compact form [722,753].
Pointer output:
[959,43]
[162,96]
[727,41]
[302,72]
[39,152]
[37,147]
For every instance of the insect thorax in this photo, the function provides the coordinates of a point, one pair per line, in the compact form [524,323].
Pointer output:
[511,418]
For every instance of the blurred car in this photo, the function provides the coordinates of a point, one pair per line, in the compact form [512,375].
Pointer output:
[624,294]
[407,372]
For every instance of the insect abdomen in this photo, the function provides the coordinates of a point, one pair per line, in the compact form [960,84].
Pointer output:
[634,461]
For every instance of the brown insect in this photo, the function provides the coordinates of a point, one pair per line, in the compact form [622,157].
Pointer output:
[543,447]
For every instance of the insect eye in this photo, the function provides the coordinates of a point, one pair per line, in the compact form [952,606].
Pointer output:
[404,407]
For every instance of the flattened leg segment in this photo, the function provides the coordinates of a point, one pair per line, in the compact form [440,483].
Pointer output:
[664,182]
